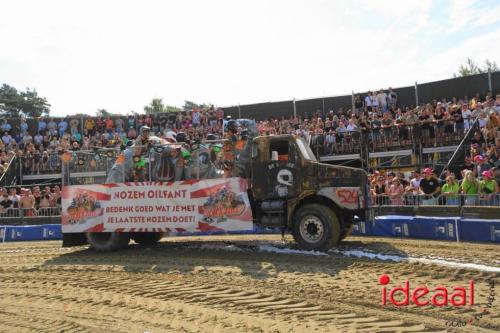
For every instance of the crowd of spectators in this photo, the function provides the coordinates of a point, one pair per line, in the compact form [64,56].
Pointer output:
[475,185]
[377,117]
[30,201]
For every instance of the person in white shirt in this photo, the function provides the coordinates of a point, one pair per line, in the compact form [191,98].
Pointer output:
[6,138]
[38,139]
[382,100]
[330,141]
[368,101]
[467,115]
[375,103]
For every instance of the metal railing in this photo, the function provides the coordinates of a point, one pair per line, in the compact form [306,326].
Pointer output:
[9,172]
[30,212]
[393,137]
[458,199]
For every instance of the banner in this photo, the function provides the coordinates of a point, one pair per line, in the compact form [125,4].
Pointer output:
[172,207]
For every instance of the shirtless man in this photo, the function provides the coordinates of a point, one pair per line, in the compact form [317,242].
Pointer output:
[27,203]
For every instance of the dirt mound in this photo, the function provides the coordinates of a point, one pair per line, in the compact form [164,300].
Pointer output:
[239,284]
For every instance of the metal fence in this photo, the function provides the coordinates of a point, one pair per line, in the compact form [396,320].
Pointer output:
[458,199]
[414,94]
[30,212]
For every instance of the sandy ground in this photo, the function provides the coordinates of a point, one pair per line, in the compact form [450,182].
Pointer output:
[240,284]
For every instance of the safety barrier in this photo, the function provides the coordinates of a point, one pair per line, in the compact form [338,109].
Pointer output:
[30,212]
[394,226]
[449,200]
[13,233]
[30,232]
[433,228]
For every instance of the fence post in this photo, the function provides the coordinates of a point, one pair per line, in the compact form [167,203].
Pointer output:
[294,109]
[489,82]
[352,101]
[323,114]
[416,94]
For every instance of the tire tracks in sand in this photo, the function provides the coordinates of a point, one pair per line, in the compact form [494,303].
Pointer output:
[177,289]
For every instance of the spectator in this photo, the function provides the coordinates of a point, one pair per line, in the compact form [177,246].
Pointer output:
[42,125]
[109,125]
[396,192]
[52,127]
[488,187]
[14,197]
[380,191]
[27,203]
[63,126]
[392,98]
[23,126]
[6,138]
[6,127]
[450,189]
[382,100]
[470,187]
[5,203]
[429,187]
[369,102]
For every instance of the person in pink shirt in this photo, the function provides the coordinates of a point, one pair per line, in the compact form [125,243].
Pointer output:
[396,191]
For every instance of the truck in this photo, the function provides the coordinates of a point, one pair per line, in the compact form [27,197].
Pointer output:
[277,182]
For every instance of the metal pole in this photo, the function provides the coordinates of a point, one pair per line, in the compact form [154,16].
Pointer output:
[239,111]
[323,114]
[81,125]
[352,101]
[294,109]
[149,166]
[416,94]
[21,170]
[489,82]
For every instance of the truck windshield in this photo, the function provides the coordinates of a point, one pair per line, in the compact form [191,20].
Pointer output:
[305,150]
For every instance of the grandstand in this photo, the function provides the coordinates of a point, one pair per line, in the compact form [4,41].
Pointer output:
[434,125]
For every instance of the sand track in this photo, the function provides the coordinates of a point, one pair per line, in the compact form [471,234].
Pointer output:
[230,284]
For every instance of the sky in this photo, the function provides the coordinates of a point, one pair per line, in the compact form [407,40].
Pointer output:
[119,55]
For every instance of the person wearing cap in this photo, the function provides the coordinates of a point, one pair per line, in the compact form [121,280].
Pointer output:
[480,165]
[429,188]
[488,188]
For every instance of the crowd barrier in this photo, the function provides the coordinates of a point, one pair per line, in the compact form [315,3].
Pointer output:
[30,232]
[395,226]
[431,228]
[14,233]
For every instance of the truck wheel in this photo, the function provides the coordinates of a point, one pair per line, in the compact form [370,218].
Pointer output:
[147,238]
[346,232]
[316,227]
[107,241]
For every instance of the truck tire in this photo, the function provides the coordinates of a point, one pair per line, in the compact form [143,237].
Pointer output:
[147,238]
[107,241]
[316,227]
[346,232]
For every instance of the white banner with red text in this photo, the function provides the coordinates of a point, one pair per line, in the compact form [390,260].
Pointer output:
[171,207]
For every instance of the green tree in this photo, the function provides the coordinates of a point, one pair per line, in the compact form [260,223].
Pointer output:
[13,103]
[188,105]
[170,108]
[471,68]
[156,106]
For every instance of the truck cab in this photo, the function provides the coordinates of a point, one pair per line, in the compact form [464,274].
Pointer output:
[290,188]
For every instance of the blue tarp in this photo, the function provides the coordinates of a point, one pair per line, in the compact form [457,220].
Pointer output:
[432,228]
[417,227]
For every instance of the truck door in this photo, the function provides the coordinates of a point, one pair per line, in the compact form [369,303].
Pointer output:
[275,169]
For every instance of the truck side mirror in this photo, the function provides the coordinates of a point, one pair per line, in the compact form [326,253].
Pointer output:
[274,156]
